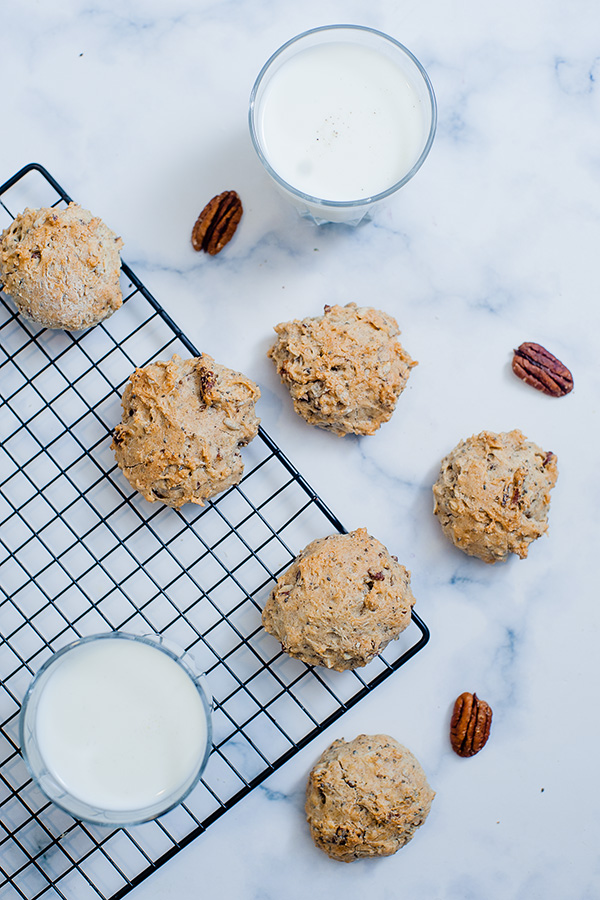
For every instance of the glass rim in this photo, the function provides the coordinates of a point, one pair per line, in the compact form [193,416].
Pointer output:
[98,815]
[361,201]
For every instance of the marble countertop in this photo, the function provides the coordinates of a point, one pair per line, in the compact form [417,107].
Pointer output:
[140,110]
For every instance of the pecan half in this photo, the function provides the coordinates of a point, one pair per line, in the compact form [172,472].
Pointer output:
[538,367]
[216,224]
[470,724]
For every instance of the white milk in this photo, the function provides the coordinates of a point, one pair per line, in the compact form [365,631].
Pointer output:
[340,121]
[120,724]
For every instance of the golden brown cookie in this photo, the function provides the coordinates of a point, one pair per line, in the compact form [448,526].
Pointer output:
[61,267]
[341,602]
[366,798]
[184,422]
[492,495]
[345,369]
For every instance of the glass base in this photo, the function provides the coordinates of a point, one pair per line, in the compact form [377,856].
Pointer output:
[362,215]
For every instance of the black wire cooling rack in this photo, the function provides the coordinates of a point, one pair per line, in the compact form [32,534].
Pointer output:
[80,553]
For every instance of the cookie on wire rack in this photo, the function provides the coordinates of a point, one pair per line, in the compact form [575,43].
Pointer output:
[61,267]
[341,602]
[184,422]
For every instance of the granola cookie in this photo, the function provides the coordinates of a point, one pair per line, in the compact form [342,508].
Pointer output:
[492,495]
[341,602]
[366,798]
[184,422]
[345,369]
[61,267]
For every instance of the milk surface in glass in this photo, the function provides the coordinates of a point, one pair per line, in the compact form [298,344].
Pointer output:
[340,121]
[120,724]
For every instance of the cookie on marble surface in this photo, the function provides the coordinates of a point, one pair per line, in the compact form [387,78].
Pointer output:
[61,267]
[345,369]
[184,422]
[341,602]
[366,798]
[492,495]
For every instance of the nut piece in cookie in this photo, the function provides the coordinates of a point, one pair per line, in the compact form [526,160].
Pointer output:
[492,495]
[366,798]
[184,422]
[61,267]
[345,369]
[341,602]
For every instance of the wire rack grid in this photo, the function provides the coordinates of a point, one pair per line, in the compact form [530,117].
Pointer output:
[81,553]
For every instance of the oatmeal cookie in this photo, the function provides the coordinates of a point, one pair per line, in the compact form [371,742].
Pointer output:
[61,267]
[492,495]
[341,602]
[184,422]
[366,797]
[345,369]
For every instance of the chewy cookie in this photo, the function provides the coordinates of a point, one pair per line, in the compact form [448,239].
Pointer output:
[341,602]
[492,495]
[184,422]
[345,369]
[366,798]
[61,267]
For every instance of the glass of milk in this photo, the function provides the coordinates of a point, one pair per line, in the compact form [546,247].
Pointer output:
[341,117]
[115,728]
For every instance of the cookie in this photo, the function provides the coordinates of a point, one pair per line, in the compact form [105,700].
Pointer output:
[492,495]
[341,602]
[345,369]
[184,422]
[61,267]
[366,798]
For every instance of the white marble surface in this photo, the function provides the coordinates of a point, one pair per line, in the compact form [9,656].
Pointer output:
[139,110]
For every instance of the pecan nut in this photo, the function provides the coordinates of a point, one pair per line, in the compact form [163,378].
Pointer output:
[538,367]
[207,381]
[216,224]
[470,724]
